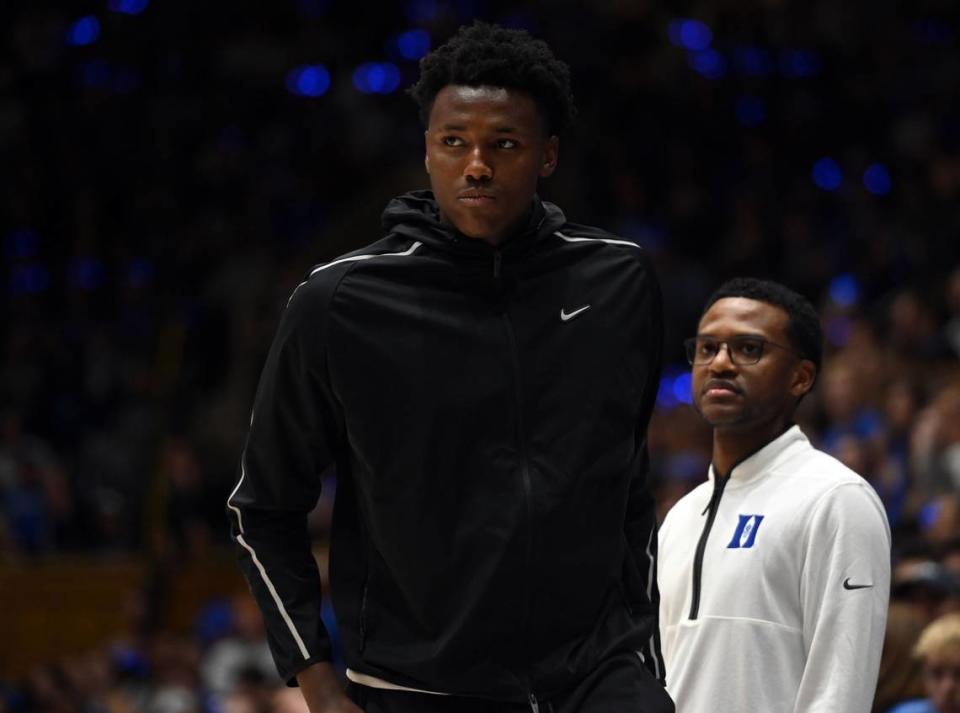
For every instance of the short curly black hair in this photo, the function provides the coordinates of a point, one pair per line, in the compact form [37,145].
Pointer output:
[482,54]
[803,328]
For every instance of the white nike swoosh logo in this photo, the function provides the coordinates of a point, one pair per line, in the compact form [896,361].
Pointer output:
[567,316]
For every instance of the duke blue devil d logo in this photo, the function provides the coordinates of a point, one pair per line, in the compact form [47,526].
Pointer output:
[746,533]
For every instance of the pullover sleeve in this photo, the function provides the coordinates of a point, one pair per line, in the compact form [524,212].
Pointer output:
[640,527]
[844,591]
[291,441]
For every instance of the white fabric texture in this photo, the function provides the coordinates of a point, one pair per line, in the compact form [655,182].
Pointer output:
[778,630]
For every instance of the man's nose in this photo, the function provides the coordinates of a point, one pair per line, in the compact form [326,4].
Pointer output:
[722,363]
[478,167]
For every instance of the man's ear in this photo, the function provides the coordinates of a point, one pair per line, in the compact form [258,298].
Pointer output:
[551,155]
[426,156]
[803,377]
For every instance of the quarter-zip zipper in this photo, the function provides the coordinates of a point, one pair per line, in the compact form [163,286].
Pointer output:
[534,706]
[718,485]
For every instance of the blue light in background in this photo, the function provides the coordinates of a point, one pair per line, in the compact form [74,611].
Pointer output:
[675,387]
[753,61]
[128,7]
[681,388]
[876,179]
[844,290]
[665,397]
[708,63]
[827,174]
[29,279]
[84,31]
[21,244]
[799,63]
[421,11]
[413,44]
[751,111]
[930,513]
[312,80]
[86,273]
[692,35]
[377,78]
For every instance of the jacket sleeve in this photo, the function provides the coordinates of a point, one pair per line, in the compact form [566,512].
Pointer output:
[291,441]
[640,528]
[844,591]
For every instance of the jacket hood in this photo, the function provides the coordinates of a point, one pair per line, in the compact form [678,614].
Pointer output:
[416,215]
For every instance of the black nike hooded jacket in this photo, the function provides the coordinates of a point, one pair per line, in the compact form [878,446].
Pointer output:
[485,410]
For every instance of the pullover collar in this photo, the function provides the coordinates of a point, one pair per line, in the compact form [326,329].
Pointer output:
[779,450]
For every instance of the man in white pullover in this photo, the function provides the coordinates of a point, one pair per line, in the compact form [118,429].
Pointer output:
[775,573]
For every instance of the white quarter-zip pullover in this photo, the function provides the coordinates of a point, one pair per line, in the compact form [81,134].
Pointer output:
[785,610]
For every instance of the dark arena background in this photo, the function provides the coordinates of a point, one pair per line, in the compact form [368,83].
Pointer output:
[170,170]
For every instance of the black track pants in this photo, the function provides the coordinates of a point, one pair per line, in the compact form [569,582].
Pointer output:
[619,685]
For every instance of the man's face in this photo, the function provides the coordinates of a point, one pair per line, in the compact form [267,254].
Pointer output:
[941,676]
[486,149]
[745,397]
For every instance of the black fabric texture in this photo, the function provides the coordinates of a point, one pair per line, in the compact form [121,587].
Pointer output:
[485,411]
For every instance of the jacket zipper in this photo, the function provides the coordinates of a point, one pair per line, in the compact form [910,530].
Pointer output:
[525,470]
[718,485]
[524,460]
[363,614]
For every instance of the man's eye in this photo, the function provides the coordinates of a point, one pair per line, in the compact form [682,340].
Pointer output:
[749,348]
[452,141]
[507,144]
[707,348]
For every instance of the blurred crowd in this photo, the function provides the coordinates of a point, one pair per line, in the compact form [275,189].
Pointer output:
[168,180]
[224,666]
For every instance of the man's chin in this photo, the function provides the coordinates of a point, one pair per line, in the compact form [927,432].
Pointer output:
[721,417]
[477,232]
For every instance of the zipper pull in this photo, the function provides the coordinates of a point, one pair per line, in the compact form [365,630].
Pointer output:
[534,706]
[496,263]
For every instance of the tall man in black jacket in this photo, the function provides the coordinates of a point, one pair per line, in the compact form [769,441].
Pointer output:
[481,378]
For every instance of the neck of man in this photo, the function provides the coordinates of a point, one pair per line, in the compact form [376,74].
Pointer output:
[495,240]
[732,445]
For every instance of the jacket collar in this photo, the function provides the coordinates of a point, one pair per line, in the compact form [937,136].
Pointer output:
[780,449]
[416,215]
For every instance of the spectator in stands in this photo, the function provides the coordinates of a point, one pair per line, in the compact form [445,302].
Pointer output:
[233,660]
[928,586]
[939,650]
[936,445]
[901,673]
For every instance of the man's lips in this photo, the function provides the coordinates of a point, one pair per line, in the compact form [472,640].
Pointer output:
[720,387]
[476,197]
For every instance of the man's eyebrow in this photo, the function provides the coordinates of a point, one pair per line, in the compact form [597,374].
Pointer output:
[505,129]
[712,335]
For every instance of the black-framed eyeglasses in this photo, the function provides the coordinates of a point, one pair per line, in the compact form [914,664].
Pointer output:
[743,350]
